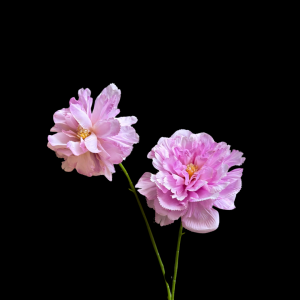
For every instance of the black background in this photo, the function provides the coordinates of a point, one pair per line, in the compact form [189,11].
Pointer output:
[86,236]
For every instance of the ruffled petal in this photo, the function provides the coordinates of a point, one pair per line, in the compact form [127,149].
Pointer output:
[200,219]
[107,128]
[91,143]
[60,140]
[81,116]
[234,159]
[75,148]
[85,164]
[106,104]
[147,187]
[166,201]
[225,203]
[163,221]
[127,121]
[181,132]
[232,189]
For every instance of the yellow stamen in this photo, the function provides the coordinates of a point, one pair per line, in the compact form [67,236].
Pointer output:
[191,169]
[81,132]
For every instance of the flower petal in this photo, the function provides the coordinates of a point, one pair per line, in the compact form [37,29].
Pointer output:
[201,219]
[127,121]
[163,221]
[147,187]
[166,201]
[81,116]
[91,143]
[225,203]
[106,104]
[181,132]
[60,139]
[75,148]
[234,159]
[107,128]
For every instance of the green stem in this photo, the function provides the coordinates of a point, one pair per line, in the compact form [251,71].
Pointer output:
[176,260]
[149,229]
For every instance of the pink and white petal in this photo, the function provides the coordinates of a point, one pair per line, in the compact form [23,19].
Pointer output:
[219,173]
[206,173]
[75,148]
[232,189]
[127,121]
[60,139]
[116,154]
[91,143]
[233,175]
[176,214]
[159,209]
[147,187]
[103,154]
[71,122]
[85,100]
[163,221]
[194,186]
[64,151]
[181,132]
[127,136]
[216,187]
[204,195]
[70,163]
[81,116]
[106,103]
[169,182]
[225,203]
[70,133]
[106,170]
[202,220]
[234,159]
[179,180]
[199,161]
[166,201]
[60,115]
[107,128]
[85,164]
[59,127]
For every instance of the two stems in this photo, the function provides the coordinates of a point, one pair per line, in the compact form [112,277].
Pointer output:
[170,296]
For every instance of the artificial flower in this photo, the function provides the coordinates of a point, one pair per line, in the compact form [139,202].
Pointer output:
[93,141]
[193,176]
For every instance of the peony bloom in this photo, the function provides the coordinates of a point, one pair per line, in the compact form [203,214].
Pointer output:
[92,142]
[192,178]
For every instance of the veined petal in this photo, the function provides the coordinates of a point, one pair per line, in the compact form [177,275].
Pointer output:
[166,201]
[107,128]
[81,116]
[106,103]
[75,148]
[60,139]
[225,203]
[91,143]
[231,189]
[202,220]
[147,187]
[163,221]
[127,121]
[234,159]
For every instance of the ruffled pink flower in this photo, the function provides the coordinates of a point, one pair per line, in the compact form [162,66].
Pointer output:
[192,178]
[92,142]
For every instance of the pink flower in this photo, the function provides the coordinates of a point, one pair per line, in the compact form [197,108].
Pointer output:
[193,177]
[92,142]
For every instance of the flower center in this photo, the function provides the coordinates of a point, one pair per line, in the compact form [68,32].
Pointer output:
[81,132]
[191,169]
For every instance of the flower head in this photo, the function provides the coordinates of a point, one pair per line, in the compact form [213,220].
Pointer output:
[93,141]
[192,178]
